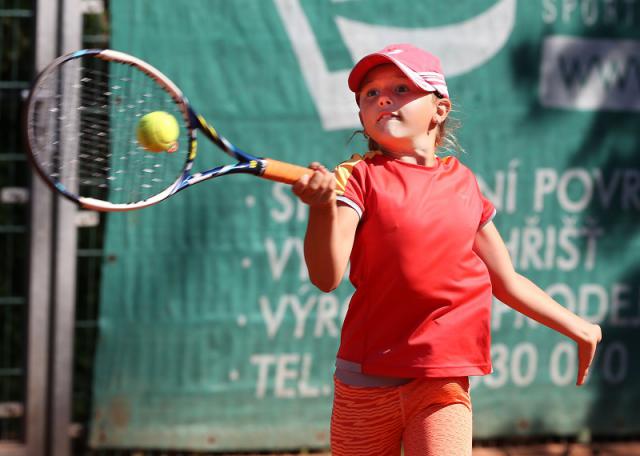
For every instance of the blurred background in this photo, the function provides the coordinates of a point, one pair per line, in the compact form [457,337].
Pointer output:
[192,327]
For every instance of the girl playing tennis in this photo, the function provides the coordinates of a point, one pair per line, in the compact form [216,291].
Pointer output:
[425,261]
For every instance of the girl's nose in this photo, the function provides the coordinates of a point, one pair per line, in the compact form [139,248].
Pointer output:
[384,101]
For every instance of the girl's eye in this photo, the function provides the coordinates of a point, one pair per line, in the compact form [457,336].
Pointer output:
[402,88]
[371,92]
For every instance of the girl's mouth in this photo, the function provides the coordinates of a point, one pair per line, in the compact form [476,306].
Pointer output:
[387,115]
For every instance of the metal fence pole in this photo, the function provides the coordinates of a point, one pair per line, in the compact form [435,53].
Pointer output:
[52,272]
[64,273]
[39,263]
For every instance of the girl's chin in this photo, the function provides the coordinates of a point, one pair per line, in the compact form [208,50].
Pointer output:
[394,133]
[390,136]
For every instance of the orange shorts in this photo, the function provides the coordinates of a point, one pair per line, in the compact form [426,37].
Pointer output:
[427,416]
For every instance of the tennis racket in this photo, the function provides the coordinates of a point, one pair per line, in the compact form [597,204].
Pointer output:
[81,120]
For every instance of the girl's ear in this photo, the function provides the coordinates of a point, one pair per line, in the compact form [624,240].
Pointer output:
[443,107]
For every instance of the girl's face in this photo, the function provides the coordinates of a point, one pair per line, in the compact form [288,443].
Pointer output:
[396,114]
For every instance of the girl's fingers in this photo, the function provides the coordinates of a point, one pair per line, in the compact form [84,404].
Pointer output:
[300,185]
[317,179]
[586,353]
[317,188]
[585,363]
[321,179]
[317,166]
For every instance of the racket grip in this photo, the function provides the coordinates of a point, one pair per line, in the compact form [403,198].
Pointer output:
[283,172]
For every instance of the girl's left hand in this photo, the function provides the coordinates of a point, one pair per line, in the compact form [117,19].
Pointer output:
[586,350]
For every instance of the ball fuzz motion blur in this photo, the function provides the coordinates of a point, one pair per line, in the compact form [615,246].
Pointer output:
[158,132]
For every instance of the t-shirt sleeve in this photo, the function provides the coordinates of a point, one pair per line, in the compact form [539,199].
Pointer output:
[488,211]
[350,188]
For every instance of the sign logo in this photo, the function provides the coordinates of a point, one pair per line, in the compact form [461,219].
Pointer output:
[590,74]
[461,47]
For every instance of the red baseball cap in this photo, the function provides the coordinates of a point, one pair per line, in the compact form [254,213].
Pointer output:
[422,67]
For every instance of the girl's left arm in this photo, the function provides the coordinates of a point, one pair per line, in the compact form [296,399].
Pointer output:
[521,294]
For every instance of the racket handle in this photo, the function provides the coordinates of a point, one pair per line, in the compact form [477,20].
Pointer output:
[283,172]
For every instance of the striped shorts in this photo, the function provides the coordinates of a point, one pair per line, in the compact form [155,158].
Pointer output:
[427,416]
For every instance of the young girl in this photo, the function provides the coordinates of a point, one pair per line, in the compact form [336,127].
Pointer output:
[425,260]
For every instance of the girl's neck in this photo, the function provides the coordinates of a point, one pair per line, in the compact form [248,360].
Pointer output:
[422,157]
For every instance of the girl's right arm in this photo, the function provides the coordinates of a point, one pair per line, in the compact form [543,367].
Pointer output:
[330,231]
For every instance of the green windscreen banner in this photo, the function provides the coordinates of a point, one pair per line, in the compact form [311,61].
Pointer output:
[211,335]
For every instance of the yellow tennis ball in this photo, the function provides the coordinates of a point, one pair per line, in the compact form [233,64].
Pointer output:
[158,131]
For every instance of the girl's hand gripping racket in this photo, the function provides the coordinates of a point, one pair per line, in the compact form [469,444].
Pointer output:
[82,123]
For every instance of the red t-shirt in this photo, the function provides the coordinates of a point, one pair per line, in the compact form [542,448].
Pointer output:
[423,297]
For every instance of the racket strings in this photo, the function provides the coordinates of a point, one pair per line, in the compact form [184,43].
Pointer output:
[150,172]
[84,131]
[125,143]
[141,161]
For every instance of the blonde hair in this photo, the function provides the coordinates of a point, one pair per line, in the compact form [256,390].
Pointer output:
[446,139]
